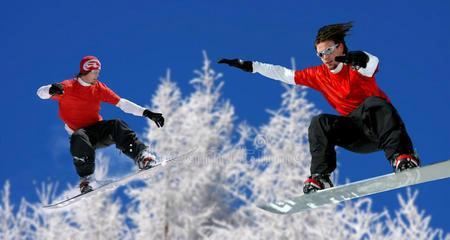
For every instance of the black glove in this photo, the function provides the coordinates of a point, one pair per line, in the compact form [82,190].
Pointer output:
[155,117]
[244,65]
[356,59]
[56,89]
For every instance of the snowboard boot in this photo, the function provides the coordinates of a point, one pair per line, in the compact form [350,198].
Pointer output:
[317,182]
[84,184]
[145,160]
[402,162]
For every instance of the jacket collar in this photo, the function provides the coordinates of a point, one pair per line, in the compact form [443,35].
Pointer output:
[337,69]
[83,83]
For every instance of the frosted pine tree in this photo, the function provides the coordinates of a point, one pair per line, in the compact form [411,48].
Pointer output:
[183,198]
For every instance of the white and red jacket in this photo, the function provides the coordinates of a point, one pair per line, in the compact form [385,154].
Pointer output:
[344,88]
[79,105]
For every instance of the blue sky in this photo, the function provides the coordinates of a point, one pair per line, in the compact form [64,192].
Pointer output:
[42,42]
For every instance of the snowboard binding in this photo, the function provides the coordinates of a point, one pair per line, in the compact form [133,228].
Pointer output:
[145,160]
[84,185]
[317,182]
[402,162]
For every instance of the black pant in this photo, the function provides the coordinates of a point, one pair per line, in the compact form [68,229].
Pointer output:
[85,141]
[374,125]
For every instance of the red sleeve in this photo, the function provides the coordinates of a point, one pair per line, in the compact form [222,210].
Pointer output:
[108,95]
[56,97]
[308,77]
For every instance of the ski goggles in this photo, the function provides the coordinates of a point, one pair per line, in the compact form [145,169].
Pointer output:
[327,51]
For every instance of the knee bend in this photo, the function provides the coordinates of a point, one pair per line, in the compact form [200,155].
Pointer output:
[83,161]
[317,121]
[77,138]
[119,122]
[80,146]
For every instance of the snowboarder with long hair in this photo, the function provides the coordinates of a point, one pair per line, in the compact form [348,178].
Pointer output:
[79,105]
[367,122]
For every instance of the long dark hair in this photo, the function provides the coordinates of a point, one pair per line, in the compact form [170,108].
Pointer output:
[335,33]
[78,75]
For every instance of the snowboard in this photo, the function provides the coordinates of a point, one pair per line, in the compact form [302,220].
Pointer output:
[361,188]
[113,184]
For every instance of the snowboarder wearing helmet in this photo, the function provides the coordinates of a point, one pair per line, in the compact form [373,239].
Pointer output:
[368,121]
[79,105]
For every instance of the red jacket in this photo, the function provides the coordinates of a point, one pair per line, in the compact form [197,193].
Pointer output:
[79,106]
[345,90]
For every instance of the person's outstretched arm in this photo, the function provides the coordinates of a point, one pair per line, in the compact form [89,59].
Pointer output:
[133,108]
[109,96]
[268,70]
[47,91]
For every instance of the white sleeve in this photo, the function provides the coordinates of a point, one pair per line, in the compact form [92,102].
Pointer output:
[43,92]
[371,67]
[275,72]
[130,107]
